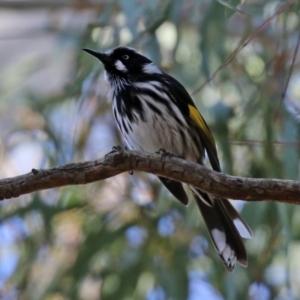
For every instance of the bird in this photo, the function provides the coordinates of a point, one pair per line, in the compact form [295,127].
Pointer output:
[154,111]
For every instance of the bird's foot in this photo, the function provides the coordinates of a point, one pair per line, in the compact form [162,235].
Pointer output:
[115,149]
[164,153]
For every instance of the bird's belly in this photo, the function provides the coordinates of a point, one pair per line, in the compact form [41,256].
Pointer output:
[152,132]
[153,136]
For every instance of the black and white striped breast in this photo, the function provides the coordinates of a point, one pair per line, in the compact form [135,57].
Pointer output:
[149,120]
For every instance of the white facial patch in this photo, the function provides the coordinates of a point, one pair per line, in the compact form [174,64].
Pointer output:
[120,66]
[151,69]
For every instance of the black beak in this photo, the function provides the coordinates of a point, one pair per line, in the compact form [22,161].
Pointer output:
[104,58]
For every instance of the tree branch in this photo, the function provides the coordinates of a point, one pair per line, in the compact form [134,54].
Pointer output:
[217,184]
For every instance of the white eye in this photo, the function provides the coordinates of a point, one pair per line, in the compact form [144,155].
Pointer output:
[125,56]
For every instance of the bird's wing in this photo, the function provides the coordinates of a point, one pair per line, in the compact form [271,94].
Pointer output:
[206,137]
[184,101]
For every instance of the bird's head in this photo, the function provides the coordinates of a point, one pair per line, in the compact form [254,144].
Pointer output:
[125,62]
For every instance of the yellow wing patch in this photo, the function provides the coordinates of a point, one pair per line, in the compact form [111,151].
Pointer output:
[199,121]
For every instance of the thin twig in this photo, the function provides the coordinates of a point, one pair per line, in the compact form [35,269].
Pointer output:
[264,143]
[289,75]
[244,44]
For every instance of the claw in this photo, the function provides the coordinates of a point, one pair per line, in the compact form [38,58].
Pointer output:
[114,150]
[164,153]
[161,151]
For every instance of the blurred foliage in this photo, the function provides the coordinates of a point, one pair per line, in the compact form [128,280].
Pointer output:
[126,237]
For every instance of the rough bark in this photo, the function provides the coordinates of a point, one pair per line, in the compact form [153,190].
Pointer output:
[217,184]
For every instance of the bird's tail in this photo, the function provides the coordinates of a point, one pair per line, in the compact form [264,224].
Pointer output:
[226,227]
